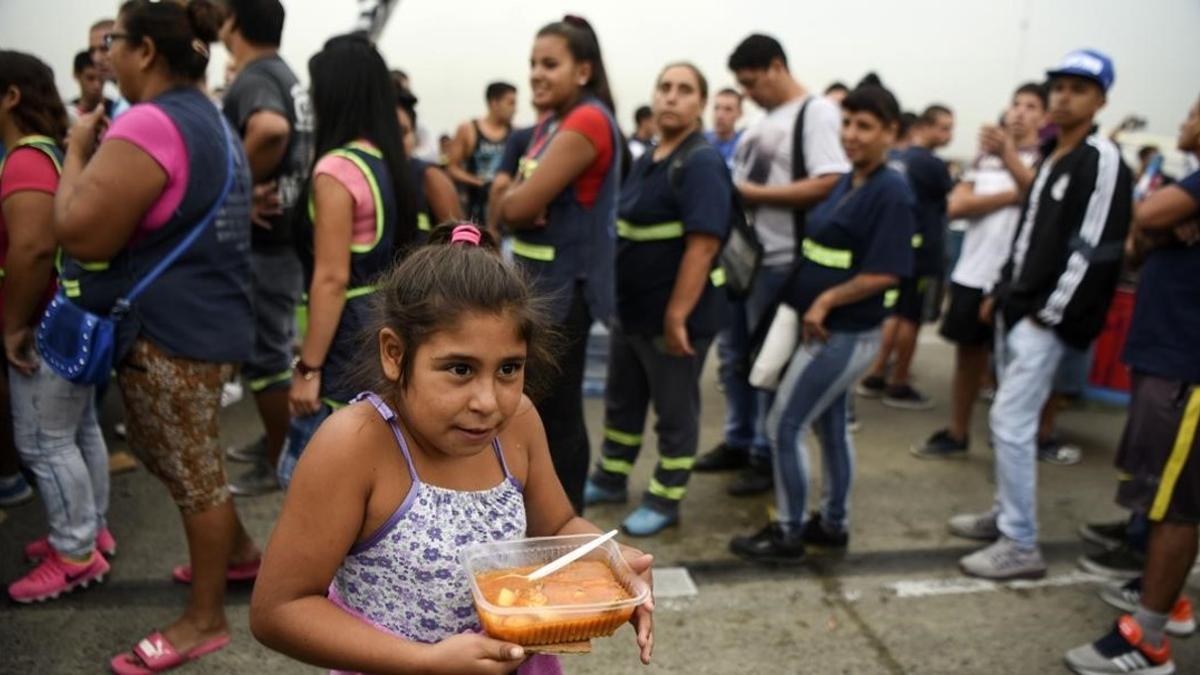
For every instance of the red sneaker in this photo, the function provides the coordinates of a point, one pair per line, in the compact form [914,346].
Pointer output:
[55,576]
[40,549]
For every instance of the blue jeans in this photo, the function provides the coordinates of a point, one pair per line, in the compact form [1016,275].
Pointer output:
[1028,356]
[746,407]
[300,432]
[813,393]
[58,437]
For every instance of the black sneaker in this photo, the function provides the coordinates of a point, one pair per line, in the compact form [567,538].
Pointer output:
[260,479]
[1108,535]
[816,534]
[724,457]
[769,545]
[1054,451]
[941,445]
[1120,563]
[871,386]
[755,479]
[903,396]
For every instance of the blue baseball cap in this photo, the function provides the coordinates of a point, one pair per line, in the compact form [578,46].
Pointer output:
[1089,63]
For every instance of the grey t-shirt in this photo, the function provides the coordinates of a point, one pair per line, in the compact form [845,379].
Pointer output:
[269,84]
[764,156]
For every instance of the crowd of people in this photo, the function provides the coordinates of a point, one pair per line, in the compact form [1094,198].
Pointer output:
[413,322]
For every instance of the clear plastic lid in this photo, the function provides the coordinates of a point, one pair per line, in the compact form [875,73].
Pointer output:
[489,557]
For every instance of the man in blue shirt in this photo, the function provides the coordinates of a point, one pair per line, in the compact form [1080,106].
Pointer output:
[1157,457]
[724,136]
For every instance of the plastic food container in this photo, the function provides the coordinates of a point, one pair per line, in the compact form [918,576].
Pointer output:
[551,624]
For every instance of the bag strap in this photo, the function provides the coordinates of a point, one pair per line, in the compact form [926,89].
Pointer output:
[683,154]
[123,303]
[799,171]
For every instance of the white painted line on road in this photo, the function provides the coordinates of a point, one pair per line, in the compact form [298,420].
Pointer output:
[674,582]
[923,588]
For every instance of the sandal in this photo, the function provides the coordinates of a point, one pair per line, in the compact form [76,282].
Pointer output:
[156,655]
[247,571]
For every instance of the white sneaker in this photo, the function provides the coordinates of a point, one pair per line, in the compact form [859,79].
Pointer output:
[1004,560]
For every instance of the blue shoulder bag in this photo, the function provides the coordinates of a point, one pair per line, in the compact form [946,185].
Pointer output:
[80,346]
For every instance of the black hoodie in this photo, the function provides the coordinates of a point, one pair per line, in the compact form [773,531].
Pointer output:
[1066,256]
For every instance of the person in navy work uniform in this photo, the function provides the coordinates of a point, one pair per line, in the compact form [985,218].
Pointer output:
[563,211]
[824,335]
[1157,457]
[674,214]
[436,197]
[931,184]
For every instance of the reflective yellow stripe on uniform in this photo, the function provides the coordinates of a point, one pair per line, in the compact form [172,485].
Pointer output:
[261,383]
[890,297]
[94,266]
[917,241]
[1184,440]
[653,232]
[532,251]
[717,277]
[616,466]
[526,167]
[70,287]
[673,493]
[677,463]
[302,307]
[423,222]
[824,256]
[623,438]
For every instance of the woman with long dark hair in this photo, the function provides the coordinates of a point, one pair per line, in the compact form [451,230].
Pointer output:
[60,442]
[122,208]
[361,212]
[562,210]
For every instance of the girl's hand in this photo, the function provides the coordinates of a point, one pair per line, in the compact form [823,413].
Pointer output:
[305,396]
[643,616]
[471,653]
[86,132]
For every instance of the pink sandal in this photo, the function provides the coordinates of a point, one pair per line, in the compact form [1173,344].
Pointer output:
[156,655]
[247,571]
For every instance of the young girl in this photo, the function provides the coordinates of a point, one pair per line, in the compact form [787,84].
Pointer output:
[362,570]
[563,213]
[675,207]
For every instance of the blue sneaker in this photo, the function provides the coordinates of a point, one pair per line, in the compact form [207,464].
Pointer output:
[14,490]
[594,493]
[646,521]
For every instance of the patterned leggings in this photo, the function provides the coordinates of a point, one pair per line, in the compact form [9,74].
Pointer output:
[172,406]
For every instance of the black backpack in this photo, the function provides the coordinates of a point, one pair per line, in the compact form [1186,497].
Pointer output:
[742,253]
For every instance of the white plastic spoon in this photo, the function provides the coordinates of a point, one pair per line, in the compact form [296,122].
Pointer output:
[561,562]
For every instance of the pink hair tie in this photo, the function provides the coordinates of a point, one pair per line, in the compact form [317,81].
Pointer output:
[466,234]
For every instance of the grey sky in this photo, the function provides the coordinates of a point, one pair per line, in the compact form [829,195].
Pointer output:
[969,54]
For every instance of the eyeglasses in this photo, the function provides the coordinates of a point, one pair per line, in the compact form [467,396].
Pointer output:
[110,38]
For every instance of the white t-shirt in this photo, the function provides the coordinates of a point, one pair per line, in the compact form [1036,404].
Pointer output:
[988,239]
[764,156]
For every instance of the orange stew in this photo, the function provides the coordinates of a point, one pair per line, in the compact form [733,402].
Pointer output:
[583,582]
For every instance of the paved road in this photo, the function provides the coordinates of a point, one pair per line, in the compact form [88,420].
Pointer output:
[893,604]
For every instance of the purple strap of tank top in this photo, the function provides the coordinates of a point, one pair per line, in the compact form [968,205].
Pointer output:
[385,411]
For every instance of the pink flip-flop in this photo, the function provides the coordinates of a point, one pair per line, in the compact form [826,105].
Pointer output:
[157,654]
[247,571]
